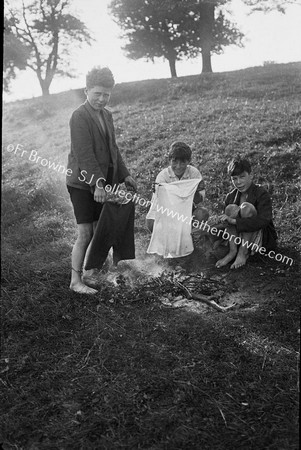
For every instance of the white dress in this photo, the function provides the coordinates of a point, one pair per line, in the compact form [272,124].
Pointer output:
[172,211]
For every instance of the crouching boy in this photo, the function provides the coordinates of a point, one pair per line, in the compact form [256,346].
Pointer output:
[248,216]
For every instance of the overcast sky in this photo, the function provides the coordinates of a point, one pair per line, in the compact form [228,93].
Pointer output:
[268,37]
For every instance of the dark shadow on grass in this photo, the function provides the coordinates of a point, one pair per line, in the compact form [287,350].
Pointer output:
[135,375]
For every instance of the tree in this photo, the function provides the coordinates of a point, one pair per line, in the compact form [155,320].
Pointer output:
[15,57]
[174,29]
[48,30]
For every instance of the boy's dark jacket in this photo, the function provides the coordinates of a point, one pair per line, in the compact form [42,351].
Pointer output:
[92,151]
[260,198]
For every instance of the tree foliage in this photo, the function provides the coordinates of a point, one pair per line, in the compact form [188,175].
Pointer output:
[48,30]
[174,29]
[270,5]
[15,57]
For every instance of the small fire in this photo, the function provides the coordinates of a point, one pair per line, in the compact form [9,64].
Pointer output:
[130,273]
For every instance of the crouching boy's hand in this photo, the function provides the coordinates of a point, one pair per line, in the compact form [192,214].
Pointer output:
[229,220]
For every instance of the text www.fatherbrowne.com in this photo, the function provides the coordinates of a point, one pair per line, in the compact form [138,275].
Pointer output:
[204,226]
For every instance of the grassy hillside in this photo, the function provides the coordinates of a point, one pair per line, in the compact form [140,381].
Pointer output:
[122,370]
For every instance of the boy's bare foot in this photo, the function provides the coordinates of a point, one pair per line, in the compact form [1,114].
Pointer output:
[224,261]
[239,261]
[81,288]
[91,281]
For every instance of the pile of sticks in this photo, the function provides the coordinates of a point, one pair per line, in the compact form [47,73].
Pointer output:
[195,282]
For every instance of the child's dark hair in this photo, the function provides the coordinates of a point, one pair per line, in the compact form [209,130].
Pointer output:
[238,165]
[180,150]
[100,76]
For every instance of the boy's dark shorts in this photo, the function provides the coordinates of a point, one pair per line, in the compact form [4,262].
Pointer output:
[86,209]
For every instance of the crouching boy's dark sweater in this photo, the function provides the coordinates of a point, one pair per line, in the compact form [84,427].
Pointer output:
[260,198]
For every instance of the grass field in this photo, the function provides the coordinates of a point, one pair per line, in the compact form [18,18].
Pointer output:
[137,366]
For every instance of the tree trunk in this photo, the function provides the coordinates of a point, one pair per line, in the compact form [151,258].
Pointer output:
[45,89]
[206,58]
[172,66]
[45,83]
[206,33]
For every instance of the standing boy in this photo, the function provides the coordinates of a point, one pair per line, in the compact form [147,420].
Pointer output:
[94,161]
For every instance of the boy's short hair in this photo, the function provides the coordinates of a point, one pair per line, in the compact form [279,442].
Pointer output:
[100,76]
[180,150]
[238,165]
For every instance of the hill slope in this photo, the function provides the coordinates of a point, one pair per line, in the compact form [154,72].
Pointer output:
[119,370]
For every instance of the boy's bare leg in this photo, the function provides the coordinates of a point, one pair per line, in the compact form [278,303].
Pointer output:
[240,259]
[243,251]
[91,272]
[232,247]
[246,210]
[85,233]
[231,211]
